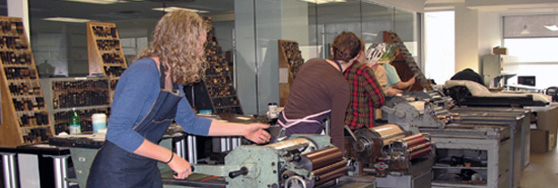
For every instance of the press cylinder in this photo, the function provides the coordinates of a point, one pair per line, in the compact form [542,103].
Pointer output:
[290,143]
[414,140]
[324,170]
[324,157]
[332,175]
[420,150]
[419,153]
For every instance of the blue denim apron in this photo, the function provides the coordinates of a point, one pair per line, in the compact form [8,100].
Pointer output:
[115,167]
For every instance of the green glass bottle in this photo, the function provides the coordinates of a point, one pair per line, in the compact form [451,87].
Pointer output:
[74,122]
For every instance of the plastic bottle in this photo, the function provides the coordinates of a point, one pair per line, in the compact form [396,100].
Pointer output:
[74,122]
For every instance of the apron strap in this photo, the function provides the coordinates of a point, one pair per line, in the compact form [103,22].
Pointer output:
[338,64]
[291,122]
[163,77]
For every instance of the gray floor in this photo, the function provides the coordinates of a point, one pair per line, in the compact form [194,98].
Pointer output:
[542,172]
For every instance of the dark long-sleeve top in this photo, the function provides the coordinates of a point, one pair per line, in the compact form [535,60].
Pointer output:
[468,74]
[318,86]
[366,94]
[135,94]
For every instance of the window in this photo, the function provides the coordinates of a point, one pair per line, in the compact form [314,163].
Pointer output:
[439,51]
[531,48]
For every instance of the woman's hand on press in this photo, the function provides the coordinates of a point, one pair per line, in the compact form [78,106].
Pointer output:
[256,133]
[181,167]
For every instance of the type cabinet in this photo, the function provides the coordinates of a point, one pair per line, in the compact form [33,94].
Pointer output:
[216,91]
[405,64]
[290,61]
[88,95]
[24,114]
[105,52]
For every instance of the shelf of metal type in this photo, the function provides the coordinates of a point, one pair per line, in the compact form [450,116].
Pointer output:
[521,120]
[105,53]
[24,118]
[88,95]
[487,143]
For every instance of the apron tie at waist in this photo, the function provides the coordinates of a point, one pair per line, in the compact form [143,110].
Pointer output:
[313,118]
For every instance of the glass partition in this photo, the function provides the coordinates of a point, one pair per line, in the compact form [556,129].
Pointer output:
[247,30]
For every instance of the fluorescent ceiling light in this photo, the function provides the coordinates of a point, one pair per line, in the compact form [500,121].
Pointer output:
[64,19]
[104,2]
[551,27]
[170,9]
[324,1]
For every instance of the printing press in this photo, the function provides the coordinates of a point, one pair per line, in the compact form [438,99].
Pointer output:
[302,161]
[396,158]
[485,143]
[419,109]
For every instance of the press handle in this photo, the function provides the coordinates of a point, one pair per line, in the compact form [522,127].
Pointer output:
[191,167]
[242,171]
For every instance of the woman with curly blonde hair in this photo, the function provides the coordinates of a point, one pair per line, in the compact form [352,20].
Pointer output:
[148,98]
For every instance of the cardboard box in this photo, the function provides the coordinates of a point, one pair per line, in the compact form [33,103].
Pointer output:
[503,51]
[547,119]
[542,141]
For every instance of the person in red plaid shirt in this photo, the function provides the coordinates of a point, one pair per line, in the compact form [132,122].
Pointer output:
[366,94]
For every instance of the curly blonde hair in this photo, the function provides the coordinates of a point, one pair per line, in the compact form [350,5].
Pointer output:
[174,42]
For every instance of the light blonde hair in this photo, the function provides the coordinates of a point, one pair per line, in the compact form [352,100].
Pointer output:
[174,41]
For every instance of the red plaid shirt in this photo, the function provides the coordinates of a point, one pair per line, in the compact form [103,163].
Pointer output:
[365,96]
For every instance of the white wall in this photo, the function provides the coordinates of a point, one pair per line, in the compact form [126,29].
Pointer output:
[466,38]
[489,32]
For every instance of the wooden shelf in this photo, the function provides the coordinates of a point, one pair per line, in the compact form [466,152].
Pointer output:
[17,65]
[36,126]
[11,133]
[32,111]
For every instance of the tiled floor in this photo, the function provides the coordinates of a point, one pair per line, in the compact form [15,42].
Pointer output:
[542,172]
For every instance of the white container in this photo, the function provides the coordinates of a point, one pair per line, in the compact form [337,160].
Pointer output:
[272,112]
[99,121]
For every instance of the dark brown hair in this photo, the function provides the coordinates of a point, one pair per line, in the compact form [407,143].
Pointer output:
[346,46]
[175,41]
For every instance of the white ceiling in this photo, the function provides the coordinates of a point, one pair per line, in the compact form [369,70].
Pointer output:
[500,6]
[118,11]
